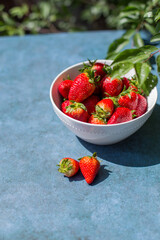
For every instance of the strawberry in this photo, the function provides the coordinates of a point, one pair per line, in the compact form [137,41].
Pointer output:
[128,99]
[89,167]
[90,103]
[96,67]
[64,87]
[133,87]
[141,106]
[68,166]
[75,110]
[120,115]
[99,69]
[95,119]
[83,86]
[126,82]
[105,108]
[111,87]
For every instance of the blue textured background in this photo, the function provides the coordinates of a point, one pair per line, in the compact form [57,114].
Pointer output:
[37,202]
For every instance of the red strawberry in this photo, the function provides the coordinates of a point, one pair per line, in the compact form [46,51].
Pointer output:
[97,90]
[133,87]
[75,110]
[68,166]
[129,100]
[95,119]
[83,86]
[90,103]
[120,115]
[111,87]
[105,108]
[141,106]
[99,69]
[89,167]
[64,87]
[126,82]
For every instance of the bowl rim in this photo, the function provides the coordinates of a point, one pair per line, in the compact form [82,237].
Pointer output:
[89,124]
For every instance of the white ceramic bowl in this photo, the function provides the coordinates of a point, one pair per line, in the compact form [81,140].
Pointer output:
[97,134]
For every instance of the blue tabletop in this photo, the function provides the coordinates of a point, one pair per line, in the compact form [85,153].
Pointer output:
[36,201]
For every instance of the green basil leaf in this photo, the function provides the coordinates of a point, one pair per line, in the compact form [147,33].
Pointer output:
[135,55]
[117,45]
[121,69]
[158,64]
[128,34]
[150,28]
[138,41]
[155,38]
[147,81]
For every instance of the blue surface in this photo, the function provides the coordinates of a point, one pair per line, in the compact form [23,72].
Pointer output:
[36,201]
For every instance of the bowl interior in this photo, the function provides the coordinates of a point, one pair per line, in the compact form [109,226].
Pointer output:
[73,71]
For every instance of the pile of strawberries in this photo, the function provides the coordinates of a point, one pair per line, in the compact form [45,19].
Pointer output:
[89,166]
[97,98]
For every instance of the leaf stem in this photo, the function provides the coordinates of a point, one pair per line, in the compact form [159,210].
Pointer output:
[151,55]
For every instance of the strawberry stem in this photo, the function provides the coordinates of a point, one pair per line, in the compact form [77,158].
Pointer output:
[94,155]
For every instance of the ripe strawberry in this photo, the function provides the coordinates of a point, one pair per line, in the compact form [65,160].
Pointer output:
[128,99]
[90,103]
[105,108]
[83,86]
[89,167]
[95,119]
[120,115]
[68,166]
[98,68]
[133,87]
[64,87]
[126,82]
[111,87]
[75,110]
[141,106]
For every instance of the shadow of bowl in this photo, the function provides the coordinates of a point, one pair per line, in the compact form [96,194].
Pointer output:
[142,149]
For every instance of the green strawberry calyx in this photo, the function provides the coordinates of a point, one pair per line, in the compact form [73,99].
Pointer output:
[107,69]
[67,78]
[65,166]
[93,156]
[103,119]
[74,106]
[92,78]
[114,100]
[101,113]
[133,113]
[87,66]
